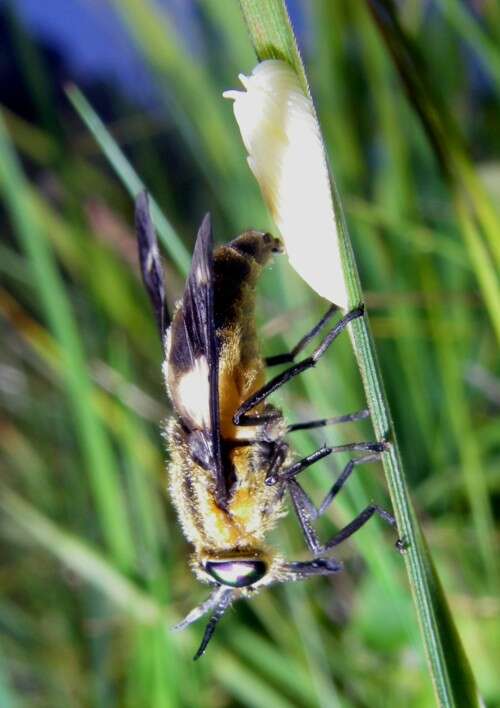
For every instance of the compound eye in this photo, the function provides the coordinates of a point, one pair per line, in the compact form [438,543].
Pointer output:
[236,573]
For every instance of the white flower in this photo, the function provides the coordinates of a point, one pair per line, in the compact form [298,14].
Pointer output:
[285,149]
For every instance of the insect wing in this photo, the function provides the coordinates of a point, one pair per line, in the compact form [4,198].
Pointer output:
[149,258]
[201,341]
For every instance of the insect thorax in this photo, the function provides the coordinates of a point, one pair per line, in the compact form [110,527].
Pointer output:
[252,509]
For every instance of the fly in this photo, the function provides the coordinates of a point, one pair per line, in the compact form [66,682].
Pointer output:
[230,464]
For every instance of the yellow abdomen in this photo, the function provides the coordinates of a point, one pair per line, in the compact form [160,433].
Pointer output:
[241,374]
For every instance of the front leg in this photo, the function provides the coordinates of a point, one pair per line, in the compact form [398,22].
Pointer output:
[301,570]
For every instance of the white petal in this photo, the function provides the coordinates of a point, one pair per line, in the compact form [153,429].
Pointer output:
[286,154]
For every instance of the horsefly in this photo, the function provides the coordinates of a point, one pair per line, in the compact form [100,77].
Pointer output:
[230,464]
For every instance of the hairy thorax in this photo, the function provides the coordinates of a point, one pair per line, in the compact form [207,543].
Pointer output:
[253,507]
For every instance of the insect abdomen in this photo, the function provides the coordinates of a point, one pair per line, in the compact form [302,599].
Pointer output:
[237,267]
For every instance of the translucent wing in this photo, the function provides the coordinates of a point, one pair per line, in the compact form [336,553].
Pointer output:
[149,258]
[194,361]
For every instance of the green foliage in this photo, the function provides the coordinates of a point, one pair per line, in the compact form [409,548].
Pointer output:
[93,568]
[272,35]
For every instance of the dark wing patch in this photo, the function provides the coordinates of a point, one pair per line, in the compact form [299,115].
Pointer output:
[200,340]
[149,258]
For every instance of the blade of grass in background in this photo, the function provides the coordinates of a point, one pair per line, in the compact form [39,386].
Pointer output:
[272,36]
[129,177]
[210,141]
[460,16]
[83,560]
[419,237]
[394,194]
[7,698]
[108,410]
[161,45]
[97,453]
[476,216]
[246,687]
[484,224]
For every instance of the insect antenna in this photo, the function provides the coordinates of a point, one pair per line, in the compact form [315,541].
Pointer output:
[213,621]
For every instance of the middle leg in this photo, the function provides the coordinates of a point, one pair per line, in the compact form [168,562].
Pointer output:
[306,503]
[336,420]
[290,472]
[306,512]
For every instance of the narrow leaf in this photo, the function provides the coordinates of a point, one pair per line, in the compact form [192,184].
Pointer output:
[129,177]
[272,36]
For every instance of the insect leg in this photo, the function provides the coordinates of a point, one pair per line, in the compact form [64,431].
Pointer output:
[357,523]
[217,596]
[344,476]
[149,257]
[349,418]
[213,622]
[288,357]
[319,566]
[305,462]
[240,418]
[307,512]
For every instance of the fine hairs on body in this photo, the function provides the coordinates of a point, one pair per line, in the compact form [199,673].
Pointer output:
[230,464]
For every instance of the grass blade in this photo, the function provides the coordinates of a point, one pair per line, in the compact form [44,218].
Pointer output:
[272,36]
[461,18]
[129,177]
[95,447]
[448,144]
[7,699]
[83,560]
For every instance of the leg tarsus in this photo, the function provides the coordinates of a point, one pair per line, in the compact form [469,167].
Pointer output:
[318,566]
[402,545]
[298,368]
[304,463]
[336,420]
[306,513]
[334,333]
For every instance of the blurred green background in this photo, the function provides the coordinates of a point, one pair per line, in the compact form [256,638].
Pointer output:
[93,566]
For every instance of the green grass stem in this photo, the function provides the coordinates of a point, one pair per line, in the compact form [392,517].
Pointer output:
[272,36]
